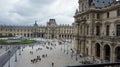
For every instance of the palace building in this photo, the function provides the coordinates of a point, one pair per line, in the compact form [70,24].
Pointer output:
[51,30]
[97,29]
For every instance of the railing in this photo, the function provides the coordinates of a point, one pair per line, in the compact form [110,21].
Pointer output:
[5,57]
[116,64]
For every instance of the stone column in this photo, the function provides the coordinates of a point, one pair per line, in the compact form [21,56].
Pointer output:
[102,53]
[92,49]
[111,54]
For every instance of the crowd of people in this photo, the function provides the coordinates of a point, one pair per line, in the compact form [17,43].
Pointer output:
[48,45]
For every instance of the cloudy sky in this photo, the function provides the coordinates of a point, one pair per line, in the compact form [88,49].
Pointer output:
[25,12]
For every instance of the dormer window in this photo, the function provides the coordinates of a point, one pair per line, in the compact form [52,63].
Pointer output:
[90,1]
[118,12]
[82,7]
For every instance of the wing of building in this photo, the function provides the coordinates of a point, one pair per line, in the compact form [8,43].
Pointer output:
[51,30]
[97,25]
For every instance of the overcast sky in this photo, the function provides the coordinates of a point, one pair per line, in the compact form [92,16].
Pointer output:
[25,12]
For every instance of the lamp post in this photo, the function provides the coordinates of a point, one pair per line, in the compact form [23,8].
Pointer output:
[67,48]
[19,50]
[16,56]
[22,47]
[61,45]
[9,53]
[6,48]
[64,46]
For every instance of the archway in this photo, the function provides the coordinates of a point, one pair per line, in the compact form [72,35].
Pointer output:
[97,50]
[52,36]
[117,54]
[107,53]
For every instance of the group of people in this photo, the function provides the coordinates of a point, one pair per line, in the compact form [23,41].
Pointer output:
[35,60]
[38,49]
[31,52]
[39,58]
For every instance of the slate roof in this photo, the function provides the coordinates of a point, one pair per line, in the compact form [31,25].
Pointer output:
[103,3]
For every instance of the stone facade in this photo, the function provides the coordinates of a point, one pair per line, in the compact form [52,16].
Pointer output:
[51,30]
[97,33]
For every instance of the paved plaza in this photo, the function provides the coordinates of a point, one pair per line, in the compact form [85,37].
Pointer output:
[55,55]
[4,49]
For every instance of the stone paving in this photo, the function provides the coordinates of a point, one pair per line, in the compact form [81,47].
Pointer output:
[55,55]
[2,50]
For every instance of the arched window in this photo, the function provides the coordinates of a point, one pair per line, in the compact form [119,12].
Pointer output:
[97,50]
[107,53]
[117,54]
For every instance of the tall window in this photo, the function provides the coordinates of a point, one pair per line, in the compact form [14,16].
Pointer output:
[87,30]
[82,7]
[118,12]
[118,30]
[107,30]
[90,2]
[98,16]
[108,15]
[97,30]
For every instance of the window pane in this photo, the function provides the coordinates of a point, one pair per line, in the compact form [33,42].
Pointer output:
[118,30]
[98,30]
[107,30]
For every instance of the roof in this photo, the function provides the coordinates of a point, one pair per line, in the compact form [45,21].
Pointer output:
[103,3]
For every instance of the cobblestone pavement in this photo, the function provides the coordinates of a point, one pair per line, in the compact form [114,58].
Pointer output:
[58,57]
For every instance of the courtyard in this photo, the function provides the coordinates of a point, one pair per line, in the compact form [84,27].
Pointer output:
[55,54]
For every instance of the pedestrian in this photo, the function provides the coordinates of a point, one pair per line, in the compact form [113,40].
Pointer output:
[52,64]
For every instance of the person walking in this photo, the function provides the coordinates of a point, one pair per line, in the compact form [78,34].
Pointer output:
[52,64]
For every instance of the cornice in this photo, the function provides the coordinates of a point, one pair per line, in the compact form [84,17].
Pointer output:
[96,10]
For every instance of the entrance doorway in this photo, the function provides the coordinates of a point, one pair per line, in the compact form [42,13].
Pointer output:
[52,36]
[107,53]
[117,54]
[97,50]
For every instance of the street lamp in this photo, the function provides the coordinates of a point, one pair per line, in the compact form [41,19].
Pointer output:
[22,47]
[76,56]
[72,53]
[9,53]
[64,46]
[67,48]
[19,50]
[16,56]
[61,45]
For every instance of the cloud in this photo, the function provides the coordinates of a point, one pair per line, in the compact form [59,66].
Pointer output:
[39,3]
[27,11]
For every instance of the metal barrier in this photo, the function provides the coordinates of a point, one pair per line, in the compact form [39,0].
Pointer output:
[116,64]
[5,57]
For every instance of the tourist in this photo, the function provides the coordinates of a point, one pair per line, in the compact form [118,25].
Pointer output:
[52,64]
